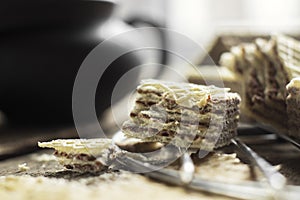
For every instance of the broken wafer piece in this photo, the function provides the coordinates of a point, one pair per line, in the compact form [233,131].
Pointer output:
[81,154]
[94,155]
[183,114]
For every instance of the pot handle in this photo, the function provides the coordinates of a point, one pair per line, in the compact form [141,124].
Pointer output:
[135,21]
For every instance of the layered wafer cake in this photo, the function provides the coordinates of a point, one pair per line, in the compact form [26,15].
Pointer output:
[81,154]
[183,114]
[266,68]
[293,107]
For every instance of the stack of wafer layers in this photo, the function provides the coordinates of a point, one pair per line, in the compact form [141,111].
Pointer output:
[269,72]
[81,154]
[182,114]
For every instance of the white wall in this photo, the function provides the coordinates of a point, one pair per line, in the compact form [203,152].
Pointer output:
[200,18]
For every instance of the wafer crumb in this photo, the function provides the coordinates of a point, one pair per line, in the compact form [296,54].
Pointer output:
[23,167]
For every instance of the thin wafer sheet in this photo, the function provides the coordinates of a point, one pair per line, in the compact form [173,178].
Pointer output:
[93,147]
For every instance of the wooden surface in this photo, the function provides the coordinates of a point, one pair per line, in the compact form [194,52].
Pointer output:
[46,176]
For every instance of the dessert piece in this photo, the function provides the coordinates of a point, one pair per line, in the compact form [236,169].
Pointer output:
[293,107]
[81,154]
[262,93]
[265,68]
[185,115]
[94,155]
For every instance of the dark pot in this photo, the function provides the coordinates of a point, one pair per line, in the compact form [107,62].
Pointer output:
[27,14]
[42,45]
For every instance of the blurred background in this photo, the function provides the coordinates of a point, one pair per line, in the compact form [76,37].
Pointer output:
[43,43]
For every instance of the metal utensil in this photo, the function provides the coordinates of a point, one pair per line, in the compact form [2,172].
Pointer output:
[185,176]
[248,190]
[187,168]
[275,178]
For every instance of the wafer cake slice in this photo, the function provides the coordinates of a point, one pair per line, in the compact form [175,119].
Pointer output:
[293,107]
[267,69]
[81,154]
[183,114]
